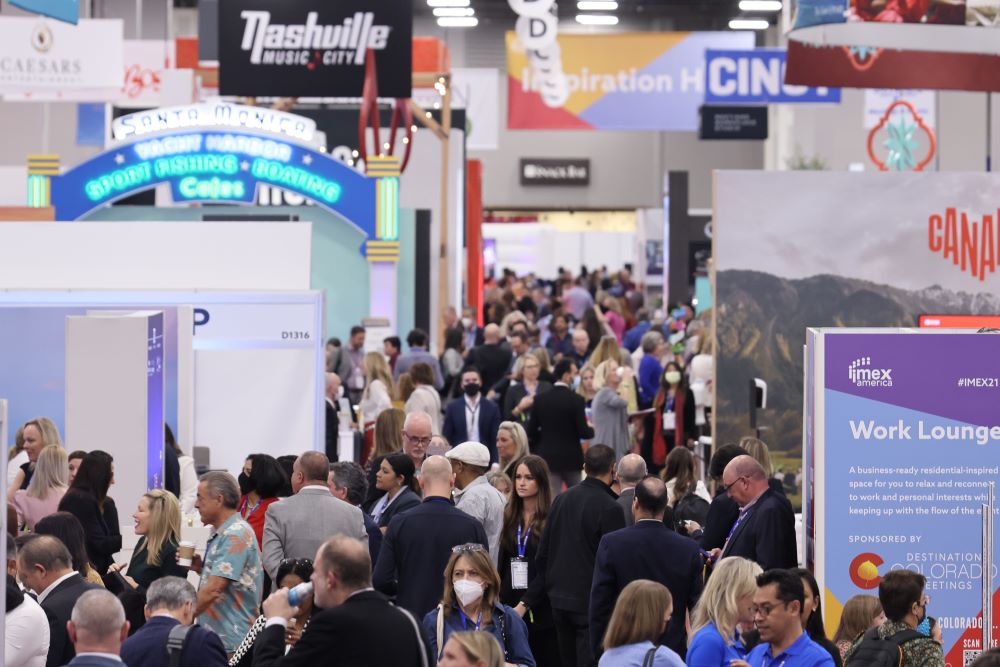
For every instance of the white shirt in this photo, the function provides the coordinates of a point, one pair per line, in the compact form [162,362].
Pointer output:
[109,656]
[14,466]
[482,500]
[26,635]
[44,594]
[472,418]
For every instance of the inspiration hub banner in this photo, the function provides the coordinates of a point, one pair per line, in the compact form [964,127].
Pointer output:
[903,454]
[623,81]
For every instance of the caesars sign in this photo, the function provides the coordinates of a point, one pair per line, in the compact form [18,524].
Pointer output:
[307,48]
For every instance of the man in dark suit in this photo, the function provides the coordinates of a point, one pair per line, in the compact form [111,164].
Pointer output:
[97,629]
[418,544]
[355,625]
[491,358]
[579,518]
[631,470]
[557,425]
[347,481]
[332,417]
[764,531]
[646,550]
[170,603]
[44,566]
[472,417]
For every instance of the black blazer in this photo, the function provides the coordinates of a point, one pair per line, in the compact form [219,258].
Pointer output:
[102,540]
[767,535]
[416,549]
[148,646]
[332,432]
[456,432]
[58,606]
[541,615]
[579,518]
[515,393]
[646,550]
[557,425]
[365,631]
[493,362]
[722,514]
[407,500]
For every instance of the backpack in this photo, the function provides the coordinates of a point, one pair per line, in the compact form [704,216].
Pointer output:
[175,643]
[876,652]
[691,507]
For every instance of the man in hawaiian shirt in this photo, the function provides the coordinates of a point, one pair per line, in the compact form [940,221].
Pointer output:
[232,576]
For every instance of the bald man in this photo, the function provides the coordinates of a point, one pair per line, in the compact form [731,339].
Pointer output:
[295,527]
[97,629]
[419,541]
[764,531]
[491,358]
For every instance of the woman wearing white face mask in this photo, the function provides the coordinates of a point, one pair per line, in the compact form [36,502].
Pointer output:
[471,603]
[672,422]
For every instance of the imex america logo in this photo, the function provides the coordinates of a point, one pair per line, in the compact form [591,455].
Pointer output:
[862,374]
[864,571]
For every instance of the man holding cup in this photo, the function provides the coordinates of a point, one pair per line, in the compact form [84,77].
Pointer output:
[232,576]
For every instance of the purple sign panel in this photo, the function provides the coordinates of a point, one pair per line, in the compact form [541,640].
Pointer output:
[154,396]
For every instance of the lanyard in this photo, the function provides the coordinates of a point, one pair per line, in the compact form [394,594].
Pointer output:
[522,546]
[465,619]
[473,411]
[252,509]
[739,520]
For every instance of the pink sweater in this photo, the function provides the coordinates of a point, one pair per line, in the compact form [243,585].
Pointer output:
[32,510]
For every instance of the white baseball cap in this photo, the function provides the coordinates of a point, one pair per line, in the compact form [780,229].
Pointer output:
[473,453]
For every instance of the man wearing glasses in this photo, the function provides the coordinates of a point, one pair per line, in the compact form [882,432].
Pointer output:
[417,431]
[901,593]
[778,615]
[764,531]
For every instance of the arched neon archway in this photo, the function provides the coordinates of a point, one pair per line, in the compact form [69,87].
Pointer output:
[217,166]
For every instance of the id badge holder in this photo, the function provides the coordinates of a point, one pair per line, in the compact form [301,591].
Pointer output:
[518,574]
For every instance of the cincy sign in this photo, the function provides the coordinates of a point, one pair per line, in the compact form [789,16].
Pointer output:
[216,164]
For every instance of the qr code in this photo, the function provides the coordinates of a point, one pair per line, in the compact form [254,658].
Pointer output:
[968,657]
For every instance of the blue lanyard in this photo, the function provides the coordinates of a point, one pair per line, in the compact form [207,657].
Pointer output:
[522,546]
[252,509]
[465,619]
[739,520]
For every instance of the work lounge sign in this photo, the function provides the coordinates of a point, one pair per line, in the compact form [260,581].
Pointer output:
[314,48]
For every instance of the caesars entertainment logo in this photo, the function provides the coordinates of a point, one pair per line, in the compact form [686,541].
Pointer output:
[864,571]
[863,374]
[311,44]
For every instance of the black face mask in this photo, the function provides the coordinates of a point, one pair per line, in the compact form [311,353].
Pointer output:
[246,484]
[471,389]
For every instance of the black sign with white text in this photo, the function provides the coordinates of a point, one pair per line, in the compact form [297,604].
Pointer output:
[548,171]
[733,122]
[312,48]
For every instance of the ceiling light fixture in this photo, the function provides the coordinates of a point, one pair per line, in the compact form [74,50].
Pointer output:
[597,19]
[447,3]
[597,5]
[454,11]
[749,24]
[760,5]
[458,21]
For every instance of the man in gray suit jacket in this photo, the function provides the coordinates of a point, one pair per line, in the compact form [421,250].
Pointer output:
[295,527]
[631,470]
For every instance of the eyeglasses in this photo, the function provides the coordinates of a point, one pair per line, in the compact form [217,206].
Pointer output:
[468,548]
[417,441]
[726,487]
[765,609]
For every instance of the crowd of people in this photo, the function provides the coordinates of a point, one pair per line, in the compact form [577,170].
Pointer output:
[523,498]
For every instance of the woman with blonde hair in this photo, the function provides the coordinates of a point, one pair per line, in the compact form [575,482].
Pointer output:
[725,604]
[404,389]
[521,393]
[759,451]
[425,398]
[377,395]
[47,487]
[471,649]
[586,388]
[607,349]
[639,620]
[37,433]
[861,613]
[158,524]
[512,446]
[471,600]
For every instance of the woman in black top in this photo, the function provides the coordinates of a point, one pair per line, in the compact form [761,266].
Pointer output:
[523,521]
[67,529]
[812,615]
[88,500]
[158,523]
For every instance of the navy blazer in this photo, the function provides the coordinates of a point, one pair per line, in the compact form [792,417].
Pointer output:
[406,500]
[94,661]
[455,431]
[646,550]
[767,535]
[58,607]
[416,549]
[148,646]
[374,536]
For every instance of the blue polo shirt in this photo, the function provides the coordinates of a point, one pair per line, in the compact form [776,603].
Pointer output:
[803,653]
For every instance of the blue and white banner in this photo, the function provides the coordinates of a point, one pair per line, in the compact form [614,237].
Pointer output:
[756,76]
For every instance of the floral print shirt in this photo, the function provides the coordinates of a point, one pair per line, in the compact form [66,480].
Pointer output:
[232,554]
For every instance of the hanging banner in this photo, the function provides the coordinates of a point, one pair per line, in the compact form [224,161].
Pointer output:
[39,55]
[310,48]
[756,76]
[619,81]
[899,472]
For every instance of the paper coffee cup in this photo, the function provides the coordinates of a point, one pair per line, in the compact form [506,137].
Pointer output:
[185,553]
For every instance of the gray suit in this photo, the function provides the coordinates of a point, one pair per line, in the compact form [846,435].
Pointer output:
[625,500]
[295,527]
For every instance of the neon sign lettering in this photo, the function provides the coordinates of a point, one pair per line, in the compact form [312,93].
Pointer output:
[299,179]
[213,188]
[119,180]
[218,114]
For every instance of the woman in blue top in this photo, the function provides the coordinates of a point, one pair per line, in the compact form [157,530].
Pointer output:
[639,620]
[725,605]
[471,602]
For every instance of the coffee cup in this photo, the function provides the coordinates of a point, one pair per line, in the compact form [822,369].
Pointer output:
[185,554]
